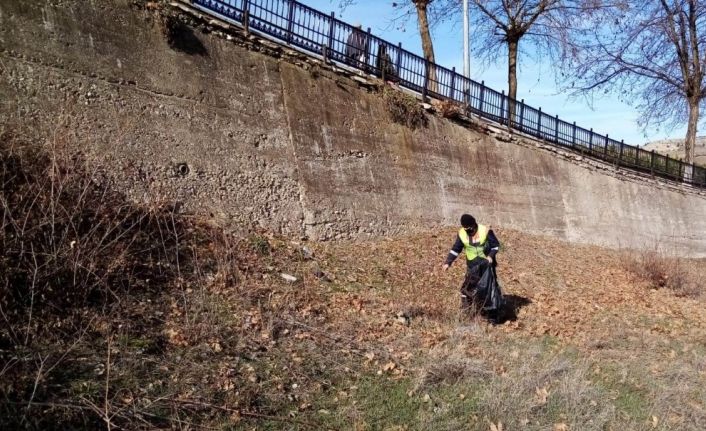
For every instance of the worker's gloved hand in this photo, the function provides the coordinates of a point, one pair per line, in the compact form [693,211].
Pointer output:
[489,259]
[445,266]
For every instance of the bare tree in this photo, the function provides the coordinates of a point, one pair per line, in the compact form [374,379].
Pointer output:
[650,52]
[427,45]
[421,8]
[501,24]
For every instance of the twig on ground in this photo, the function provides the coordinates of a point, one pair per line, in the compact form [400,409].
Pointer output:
[106,404]
[37,378]
[246,413]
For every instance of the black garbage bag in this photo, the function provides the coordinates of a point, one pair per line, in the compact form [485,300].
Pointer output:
[487,295]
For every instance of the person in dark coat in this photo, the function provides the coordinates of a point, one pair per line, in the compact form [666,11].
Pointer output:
[356,47]
[384,68]
[480,246]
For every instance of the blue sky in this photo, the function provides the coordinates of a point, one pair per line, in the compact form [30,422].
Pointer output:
[535,79]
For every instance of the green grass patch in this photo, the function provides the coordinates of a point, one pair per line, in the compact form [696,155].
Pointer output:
[629,398]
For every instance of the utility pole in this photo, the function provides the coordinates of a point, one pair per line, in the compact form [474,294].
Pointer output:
[466,54]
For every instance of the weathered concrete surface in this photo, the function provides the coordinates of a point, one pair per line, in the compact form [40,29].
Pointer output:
[270,144]
[143,107]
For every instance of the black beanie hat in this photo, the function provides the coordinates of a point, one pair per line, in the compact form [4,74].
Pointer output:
[467,220]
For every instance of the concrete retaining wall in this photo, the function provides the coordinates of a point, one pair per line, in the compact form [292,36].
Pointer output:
[303,152]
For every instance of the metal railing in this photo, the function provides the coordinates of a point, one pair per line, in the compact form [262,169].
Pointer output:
[323,34]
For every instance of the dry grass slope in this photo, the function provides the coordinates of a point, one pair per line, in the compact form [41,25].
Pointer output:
[123,316]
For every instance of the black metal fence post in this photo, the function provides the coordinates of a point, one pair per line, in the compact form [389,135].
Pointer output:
[605,147]
[398,60]
[652,163]
[590,141]
[453,82]
[331,30]
[367,51]
[573,135]
[539,123]
[556,129]
[426,80]
[637,156]
[666,165]
[290,21]
[502,107]
[620,153]
[522,114]
[482,96]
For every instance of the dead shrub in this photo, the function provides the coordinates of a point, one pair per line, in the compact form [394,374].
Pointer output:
[70,240]
[404,109]
[118,315]
[662,272]
[168,26]
[449,109]
[81,268]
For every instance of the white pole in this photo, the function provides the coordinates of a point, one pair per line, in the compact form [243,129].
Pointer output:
[466,53]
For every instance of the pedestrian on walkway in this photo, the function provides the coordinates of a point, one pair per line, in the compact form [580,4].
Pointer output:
[357,47]
[384,68]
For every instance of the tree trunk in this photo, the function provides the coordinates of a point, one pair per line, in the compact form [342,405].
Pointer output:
[690,142]
[512,47]
[427,46]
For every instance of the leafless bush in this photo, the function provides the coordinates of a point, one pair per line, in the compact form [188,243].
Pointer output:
[114,312]
[82,266]
[69,240]
[662,271]
[403,108]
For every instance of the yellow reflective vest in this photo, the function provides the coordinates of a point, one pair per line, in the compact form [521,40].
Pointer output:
[474,247]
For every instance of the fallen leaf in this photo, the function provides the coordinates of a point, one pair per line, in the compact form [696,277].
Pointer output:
[498,427]
[542,395]
[561,427]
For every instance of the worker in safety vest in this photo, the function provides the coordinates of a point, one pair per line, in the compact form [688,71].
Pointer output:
[480,246]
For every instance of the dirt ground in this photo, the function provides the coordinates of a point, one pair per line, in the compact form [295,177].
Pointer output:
[271,333]
[602,339]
